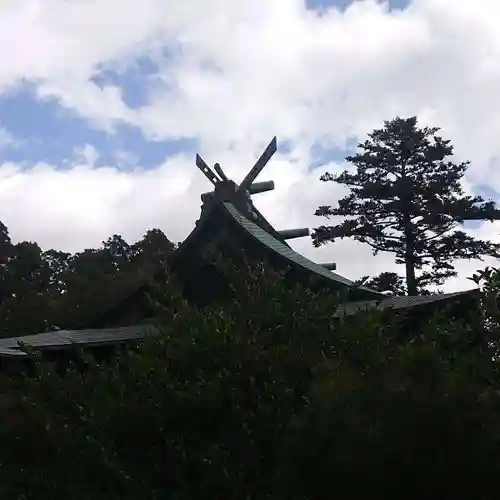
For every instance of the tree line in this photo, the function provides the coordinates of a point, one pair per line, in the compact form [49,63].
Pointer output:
[46,290]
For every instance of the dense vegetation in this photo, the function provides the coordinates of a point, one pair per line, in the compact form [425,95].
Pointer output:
[267,397]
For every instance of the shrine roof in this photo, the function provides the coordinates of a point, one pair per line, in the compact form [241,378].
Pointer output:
[11,346]
[288,253]
[401,302]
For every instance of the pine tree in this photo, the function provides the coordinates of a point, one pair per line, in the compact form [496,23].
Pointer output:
[406,198]
[385,282]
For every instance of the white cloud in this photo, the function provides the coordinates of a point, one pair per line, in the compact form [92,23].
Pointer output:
[239,73]
[6,139]
[79,207]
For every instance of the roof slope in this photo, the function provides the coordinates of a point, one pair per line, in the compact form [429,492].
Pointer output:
[293,257]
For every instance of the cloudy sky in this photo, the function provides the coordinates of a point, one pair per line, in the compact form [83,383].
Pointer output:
[104,104]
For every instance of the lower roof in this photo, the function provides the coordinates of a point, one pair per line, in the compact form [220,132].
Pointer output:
[400,302]
[11,346]
[60,339]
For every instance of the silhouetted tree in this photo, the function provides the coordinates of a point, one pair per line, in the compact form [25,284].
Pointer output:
[385,282]
[406,198]
[57,263]
[26,298]
[119,251]
[5,252]
[154,246]
[5,243]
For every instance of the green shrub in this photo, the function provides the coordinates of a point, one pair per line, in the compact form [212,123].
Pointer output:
[264,397]
[416,422]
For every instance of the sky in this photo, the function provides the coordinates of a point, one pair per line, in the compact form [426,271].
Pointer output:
[104,105]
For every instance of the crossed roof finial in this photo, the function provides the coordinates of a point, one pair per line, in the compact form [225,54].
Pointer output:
[221,181]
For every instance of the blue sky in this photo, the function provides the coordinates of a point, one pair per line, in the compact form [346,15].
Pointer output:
[50,133]
[47,132]
[120,72]
[325,4]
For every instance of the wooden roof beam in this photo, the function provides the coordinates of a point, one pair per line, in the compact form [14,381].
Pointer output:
[288,234]
[331,266]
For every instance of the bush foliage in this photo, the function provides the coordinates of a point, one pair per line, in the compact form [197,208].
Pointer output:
[265,397]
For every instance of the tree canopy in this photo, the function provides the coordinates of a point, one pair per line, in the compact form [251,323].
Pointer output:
[61,290]
[385,282]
